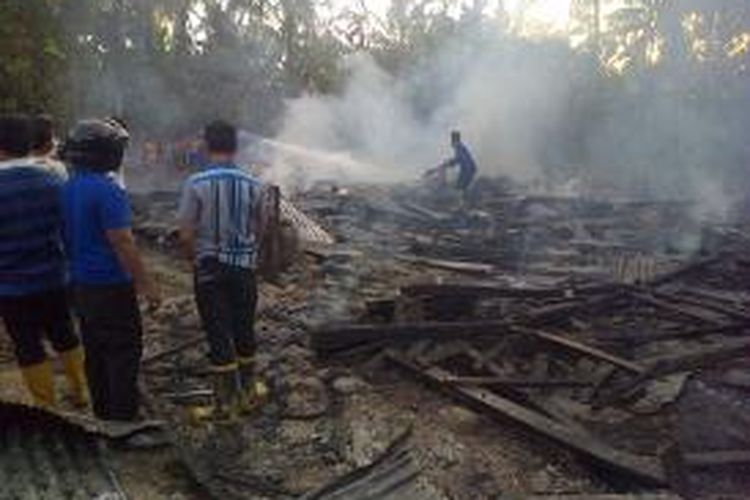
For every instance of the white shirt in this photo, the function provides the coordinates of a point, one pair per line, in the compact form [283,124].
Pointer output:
[49,164]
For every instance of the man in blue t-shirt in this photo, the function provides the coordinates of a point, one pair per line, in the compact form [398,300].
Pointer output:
[33,302]
[106,269]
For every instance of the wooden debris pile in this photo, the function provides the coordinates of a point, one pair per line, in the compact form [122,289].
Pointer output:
[598,362]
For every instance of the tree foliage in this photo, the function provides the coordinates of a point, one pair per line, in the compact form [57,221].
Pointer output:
[171,64]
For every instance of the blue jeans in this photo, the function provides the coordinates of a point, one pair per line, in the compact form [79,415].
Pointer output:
[227,297]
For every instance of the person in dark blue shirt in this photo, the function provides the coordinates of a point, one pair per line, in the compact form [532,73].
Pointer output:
[467,167]
[33,301]
[106,269]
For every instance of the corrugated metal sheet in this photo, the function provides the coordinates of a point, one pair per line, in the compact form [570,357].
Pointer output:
[42,456]
[391,476]
[308,231]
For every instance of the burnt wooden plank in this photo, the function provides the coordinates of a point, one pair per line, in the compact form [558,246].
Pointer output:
[706,305]
[603,496]
[347,336]
[494,290]
[517,381]
[170,351]
[688,296]
[675,333]
[333,338]
[684,271]
[452,265]
[717,458]
[689,312]
[550,409]
[666,365]
[647,469]
[581,348]
[565,310]
[698,358]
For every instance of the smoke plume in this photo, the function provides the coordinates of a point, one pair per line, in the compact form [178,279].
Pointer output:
[534,110]
[500,99]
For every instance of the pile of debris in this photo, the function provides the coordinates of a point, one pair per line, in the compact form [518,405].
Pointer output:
[611,358]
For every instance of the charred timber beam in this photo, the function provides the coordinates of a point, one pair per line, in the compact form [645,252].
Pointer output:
[451,265]
[717,458]
[703,303]
[270,255]
[647,469]
[698,358]
[544,405]
[562,312]
[345,337]
[733,304]
[170,351]
[684,271]
[604,496]
[679,333]
[495,291]
[675,308]
[332,340]
[582,349]
[517,382]
[667,365]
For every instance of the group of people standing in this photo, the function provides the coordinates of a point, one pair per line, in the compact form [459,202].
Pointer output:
[66,244]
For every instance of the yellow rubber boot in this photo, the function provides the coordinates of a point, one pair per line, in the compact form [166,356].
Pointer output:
[253,392]
[226,392]
[73,365]
[40,383]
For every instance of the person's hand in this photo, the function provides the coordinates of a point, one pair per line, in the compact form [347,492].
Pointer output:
[430,172]
[152,295]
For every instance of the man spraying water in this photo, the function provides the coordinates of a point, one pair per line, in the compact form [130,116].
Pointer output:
[467,167]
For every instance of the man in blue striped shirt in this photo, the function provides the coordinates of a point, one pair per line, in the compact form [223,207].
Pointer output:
[33,300]
[220,224]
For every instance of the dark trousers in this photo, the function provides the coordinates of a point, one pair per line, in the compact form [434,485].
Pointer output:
[31,318]
[112,337]
[226,297]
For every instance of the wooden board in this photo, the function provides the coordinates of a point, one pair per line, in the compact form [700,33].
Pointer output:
[647,469]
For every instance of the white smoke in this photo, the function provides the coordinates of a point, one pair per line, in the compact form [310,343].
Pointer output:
[533,110]
[501,100]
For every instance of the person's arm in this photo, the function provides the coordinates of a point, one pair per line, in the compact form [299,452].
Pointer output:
[186,234]
[441,167]
[187,215]
[450,162]
[123,243]
[115,215]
